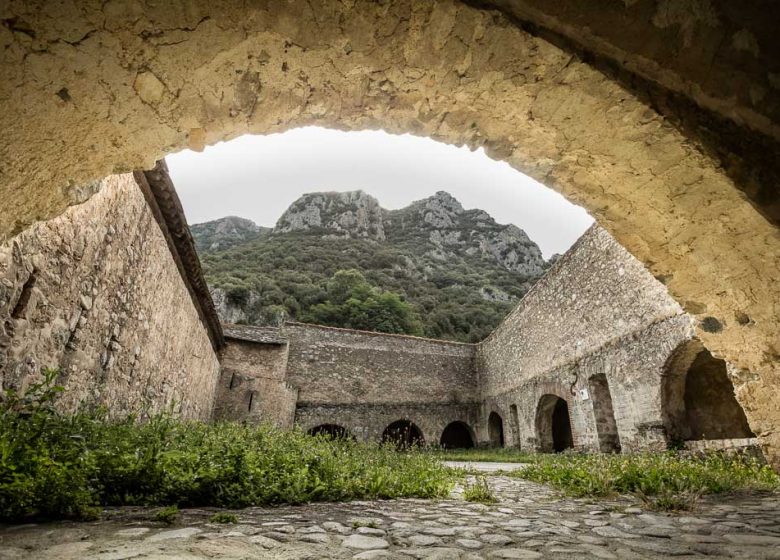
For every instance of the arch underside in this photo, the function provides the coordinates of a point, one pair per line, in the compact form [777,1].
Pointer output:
[83,108]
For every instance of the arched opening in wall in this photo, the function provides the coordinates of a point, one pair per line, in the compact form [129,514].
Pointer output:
[698,398]
[604,414]
[496,430]
[457,435]
[403,434]
[553,425]
[332,431]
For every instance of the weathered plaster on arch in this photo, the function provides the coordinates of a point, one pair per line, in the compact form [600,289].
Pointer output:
[95,88]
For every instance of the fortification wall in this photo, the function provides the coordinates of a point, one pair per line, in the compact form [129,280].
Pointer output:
[97,293]
[253,385]
[342,366]
[597,312]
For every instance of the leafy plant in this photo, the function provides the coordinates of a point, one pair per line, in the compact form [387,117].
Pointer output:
[479,491]
[224,517]
[167,515]
[65,466]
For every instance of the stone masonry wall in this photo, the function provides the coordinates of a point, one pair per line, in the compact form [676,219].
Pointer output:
[342,366]
[96,293]
[365,381]
[598,311]
[253,384]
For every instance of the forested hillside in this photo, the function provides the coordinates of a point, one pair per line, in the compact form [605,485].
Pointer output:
[430,269]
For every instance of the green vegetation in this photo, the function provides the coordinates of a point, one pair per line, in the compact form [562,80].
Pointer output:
[353,303]
[664,481]
[276,277]
[479,491]
[55,466]
[167,515]
[491,454]
[224,517]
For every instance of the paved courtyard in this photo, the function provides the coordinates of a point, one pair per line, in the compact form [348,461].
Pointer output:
[530,521]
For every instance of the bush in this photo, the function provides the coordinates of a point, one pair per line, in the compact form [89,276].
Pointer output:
[665,481]
[57,466]
[167,515]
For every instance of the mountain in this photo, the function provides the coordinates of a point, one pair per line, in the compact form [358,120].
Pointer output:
[457,271]
[225,232]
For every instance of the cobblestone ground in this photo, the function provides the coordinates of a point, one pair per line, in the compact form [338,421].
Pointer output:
[530,521]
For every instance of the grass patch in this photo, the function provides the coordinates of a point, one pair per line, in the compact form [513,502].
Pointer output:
[223,517]
[479,491]
[493,455]
[63,466]
[664,481]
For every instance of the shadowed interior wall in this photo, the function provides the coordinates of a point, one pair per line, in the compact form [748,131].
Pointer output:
[96,293]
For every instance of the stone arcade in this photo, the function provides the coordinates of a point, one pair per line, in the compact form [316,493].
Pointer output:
[597,356]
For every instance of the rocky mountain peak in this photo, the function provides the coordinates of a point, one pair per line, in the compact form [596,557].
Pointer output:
[225,232]
[339,214]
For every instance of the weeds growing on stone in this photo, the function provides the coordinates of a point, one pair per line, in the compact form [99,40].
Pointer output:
[223,517]
[664,481]
[167,515]
[479,491]
[63,466]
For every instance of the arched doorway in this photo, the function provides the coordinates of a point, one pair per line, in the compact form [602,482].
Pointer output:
[332,431]
[606,426]
[457,435]
[698,397]
[404,434]
[496,430]
[553,425]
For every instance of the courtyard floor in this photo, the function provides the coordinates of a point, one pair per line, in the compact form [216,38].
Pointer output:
[530,521]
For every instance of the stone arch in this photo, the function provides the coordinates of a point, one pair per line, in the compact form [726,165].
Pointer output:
[333,431]
[443,69]
[496,429]
[697,397]
[457,435]
[604,413]
[404,434]
[553,424]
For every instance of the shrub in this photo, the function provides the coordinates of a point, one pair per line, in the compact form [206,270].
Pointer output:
[479,491]
[57,466]
[665,481]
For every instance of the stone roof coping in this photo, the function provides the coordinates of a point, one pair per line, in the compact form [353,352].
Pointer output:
[251,333]
[160,194]
[379,334]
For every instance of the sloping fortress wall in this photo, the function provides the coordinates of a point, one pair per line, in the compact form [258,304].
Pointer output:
[99,293]
[598,314]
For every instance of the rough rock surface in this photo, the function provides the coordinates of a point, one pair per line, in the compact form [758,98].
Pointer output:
[529,522]
[345,214]
[95,88]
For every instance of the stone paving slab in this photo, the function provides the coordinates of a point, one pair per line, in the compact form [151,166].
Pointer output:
[530,521]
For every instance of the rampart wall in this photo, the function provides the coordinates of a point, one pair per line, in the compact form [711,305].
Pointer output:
[100,293]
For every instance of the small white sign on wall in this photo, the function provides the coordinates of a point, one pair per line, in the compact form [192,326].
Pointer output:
[584,395]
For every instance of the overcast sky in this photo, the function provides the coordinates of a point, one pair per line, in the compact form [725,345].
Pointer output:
[258,177]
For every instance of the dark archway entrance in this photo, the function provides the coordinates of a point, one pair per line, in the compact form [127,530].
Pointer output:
[403,434]
[698,398]
[606,426]
[496,430]
[457,435]
[553,425]
[333,431]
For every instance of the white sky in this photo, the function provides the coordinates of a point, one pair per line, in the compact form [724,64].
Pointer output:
[258,177]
